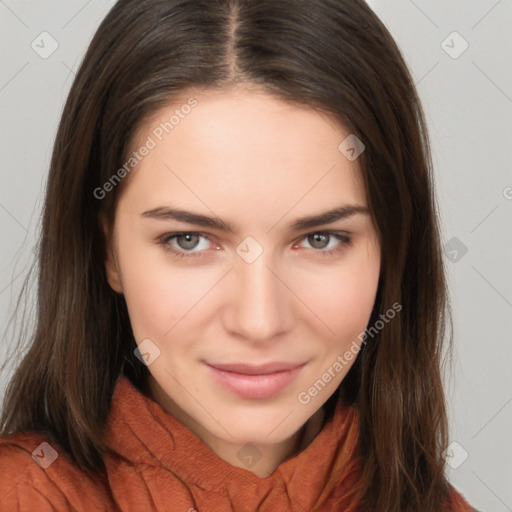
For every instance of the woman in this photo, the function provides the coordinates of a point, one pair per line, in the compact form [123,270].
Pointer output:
[241,297]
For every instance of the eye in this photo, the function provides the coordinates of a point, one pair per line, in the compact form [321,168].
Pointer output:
[318,242]
[183,244]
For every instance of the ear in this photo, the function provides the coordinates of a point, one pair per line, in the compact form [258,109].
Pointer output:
[111,266]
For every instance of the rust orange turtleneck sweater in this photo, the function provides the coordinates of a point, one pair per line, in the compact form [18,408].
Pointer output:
[160,465]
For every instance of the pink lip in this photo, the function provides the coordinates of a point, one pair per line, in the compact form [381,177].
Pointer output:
[256,382]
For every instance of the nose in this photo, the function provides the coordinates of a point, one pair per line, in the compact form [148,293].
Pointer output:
[260,302]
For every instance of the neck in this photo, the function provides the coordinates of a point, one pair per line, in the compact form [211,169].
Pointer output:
[272,455]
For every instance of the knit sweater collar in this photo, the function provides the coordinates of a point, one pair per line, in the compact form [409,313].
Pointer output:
[325,473]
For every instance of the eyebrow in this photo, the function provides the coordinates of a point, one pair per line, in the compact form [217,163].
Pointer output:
[328,217]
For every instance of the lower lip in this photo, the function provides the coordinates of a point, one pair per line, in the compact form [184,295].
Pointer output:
[255,386]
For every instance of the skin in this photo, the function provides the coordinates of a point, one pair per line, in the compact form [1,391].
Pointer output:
[257,163]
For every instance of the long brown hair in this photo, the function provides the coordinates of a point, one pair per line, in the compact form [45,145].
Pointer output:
[334,55]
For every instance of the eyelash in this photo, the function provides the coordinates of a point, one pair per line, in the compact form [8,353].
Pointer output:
[345,240]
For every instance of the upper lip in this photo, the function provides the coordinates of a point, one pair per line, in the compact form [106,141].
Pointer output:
[252,369]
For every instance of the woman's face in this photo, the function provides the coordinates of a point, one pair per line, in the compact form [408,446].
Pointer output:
[249,281]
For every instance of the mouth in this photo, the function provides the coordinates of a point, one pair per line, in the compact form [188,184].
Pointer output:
[255,381]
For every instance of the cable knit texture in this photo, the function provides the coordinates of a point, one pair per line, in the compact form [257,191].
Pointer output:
[160,465]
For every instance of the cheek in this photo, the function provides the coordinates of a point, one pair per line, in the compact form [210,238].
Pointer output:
[157,293]
[343,297]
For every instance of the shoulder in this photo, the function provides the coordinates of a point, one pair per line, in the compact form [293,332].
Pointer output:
[458,503]
[36,474]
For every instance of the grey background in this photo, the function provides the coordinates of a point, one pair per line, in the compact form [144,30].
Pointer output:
[467,96]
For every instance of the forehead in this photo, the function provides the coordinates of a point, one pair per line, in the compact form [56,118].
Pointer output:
[242,120]
[246,145]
